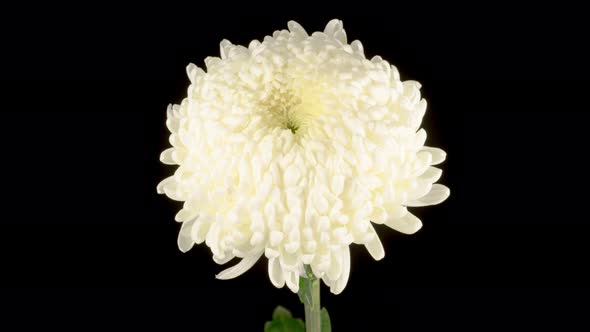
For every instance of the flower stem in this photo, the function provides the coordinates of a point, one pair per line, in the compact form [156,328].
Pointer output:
[310,294]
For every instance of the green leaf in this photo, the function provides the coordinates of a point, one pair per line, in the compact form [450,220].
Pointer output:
[286,325]
[283,321]
[302,289]
[326,324]
[281,313]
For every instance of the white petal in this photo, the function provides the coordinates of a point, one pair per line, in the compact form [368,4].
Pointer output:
[336,266]
[185,241]
[212,238]
[431,175]
[420,137]
[296,28]
[397,211]
[275,273]
[332,27]
[338,286]
[379,215]
[200,230]
[193,72]
[422,162]
[307,259]
[438,155]
[171,190]
[329,282]
[293,281]
[271,253]
[419,189]
[437,195]
[337,184]
[244,265]
[224,48]
[185,215]
[375,247]
[357,47]
[163,184]
[275,238]
[223,260]
[408,224]
[376,59]
[169,187]
[289,262]
[256,48]
[340,36]
[321,203]
[172,125]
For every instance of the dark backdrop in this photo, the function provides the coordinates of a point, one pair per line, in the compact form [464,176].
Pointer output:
[86,242]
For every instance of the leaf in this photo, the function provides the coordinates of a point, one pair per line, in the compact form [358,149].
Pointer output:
[281,313]
[283,321]
[326,324]
[305,283]
[302,289]
[287,325]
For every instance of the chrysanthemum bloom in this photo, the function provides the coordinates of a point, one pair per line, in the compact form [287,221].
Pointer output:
[291,148]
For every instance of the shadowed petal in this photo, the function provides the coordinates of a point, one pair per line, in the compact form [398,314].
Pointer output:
[244,265]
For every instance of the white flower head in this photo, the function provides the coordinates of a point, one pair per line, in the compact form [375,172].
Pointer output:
[291,148]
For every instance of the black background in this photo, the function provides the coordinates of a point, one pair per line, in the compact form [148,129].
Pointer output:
[87,243]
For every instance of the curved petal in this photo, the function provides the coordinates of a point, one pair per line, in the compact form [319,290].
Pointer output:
[244,265]
[336,266]
[340,36]
[375,247]
[166,156]
[224,47]
[169,187]
[397,211]
[226,258]
[437,195]
[333,26]
[275,273]
[185,215]
[420,137]
[293,281]
[423,162]
[193,72]
[200,229]
[161,188]
[431,175]
[296,28]
[338,286]
[357,47]
[408,224]
[185,241]
[420,188]
[438,155]
[329,282]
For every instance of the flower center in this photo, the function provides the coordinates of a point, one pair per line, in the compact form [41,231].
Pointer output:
[284,110]
[292,104]
[286,115]
[292,126]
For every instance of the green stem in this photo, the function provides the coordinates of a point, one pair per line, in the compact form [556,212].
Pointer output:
[310,293]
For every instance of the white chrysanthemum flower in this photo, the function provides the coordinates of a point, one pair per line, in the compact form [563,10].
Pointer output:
[291,148]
